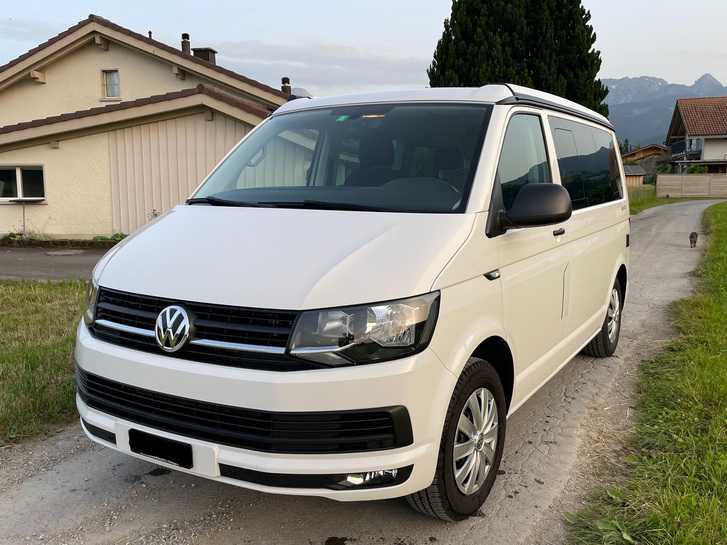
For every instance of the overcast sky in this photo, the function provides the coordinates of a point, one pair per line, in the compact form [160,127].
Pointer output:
[331,47]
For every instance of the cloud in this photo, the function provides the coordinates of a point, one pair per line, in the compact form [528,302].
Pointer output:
[26,30]
[324,68]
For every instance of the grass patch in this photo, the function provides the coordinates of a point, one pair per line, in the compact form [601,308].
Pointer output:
[675,489]
[19,240]
[37,330]
[644,196]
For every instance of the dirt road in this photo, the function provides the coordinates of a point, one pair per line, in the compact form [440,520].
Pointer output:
[64,490]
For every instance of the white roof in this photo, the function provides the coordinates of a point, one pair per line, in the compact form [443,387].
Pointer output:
[489,94]
[520,90]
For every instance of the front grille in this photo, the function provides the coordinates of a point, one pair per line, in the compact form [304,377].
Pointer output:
[265,329]
[281,432]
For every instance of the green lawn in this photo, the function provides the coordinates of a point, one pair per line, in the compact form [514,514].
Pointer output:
[675,488]
[37,328]
[643,197]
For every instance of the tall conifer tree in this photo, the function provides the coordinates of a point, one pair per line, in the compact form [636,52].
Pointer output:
[545,44]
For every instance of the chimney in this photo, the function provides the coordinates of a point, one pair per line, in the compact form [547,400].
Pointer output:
[185,44]
[285,87]
[206,54]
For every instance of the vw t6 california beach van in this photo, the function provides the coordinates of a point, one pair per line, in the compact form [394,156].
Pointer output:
[355,299]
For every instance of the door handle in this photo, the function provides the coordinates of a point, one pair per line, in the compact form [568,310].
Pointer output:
[559,232]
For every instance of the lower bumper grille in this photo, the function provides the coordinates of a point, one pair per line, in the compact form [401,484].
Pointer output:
[280,432]
[107,436]
[285,480]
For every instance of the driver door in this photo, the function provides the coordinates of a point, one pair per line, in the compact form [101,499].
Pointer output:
[533,261]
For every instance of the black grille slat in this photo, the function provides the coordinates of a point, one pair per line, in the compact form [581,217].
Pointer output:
[312,432]
[239,325]
[103,390]
[208,418]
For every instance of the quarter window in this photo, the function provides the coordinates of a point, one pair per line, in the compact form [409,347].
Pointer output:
[523,159]
[21,183]
[587,161]
[111,84]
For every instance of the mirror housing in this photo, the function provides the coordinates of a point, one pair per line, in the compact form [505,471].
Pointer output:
[539,204]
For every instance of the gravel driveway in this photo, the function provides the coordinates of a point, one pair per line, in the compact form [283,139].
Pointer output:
[65,490]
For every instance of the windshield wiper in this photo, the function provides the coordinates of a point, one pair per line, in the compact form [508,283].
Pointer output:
[306,203]
[217,201]
[326,205]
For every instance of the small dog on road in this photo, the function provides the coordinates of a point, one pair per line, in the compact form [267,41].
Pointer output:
[693,236]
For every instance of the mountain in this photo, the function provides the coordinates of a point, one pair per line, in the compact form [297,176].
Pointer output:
[641,108]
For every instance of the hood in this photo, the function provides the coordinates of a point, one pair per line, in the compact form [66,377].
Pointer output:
[285,258]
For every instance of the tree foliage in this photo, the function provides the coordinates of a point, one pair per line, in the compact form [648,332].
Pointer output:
[544,44]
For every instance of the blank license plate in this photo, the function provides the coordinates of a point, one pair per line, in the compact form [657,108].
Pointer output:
[176,452]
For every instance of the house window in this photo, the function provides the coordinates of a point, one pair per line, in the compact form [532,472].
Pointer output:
[111,85]
[21,183]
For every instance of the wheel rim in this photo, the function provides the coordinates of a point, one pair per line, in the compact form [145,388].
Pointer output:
[475,442]
[614,315]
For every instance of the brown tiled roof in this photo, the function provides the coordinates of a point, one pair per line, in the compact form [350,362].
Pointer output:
[704,116]
[212,92]
[113,26]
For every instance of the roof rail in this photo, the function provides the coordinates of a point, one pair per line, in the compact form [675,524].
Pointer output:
[518,97]
[298,92]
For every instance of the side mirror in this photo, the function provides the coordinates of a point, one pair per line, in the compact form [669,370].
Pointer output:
[539,204]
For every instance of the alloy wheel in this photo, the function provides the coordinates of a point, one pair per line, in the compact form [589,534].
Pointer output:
[475,443]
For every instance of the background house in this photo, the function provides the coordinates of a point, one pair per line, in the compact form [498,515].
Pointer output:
[698,134]
[640,154]
[102,128]
[650,158]
[634,175]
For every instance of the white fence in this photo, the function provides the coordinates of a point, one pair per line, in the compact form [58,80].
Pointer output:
[691,185]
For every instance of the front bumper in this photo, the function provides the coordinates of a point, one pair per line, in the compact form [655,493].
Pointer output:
[420,383]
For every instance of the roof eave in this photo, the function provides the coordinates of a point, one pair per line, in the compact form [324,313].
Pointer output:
[102,118]
[79,34]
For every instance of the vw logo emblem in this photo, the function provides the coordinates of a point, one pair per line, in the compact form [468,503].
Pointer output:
[172,328]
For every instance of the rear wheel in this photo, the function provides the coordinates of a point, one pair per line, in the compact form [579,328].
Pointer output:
[605,342]
[471,447]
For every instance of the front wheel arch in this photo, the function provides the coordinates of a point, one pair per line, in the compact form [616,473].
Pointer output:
[496,351]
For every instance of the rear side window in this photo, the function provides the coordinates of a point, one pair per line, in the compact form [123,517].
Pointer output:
[523,159]
[587,161]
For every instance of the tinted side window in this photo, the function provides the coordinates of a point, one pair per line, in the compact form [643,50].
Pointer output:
[587,161]
[523,159]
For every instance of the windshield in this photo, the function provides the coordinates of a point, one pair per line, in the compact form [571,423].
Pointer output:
[393,158]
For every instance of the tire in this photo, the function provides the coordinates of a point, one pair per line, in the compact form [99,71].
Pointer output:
[444,499]
[604,345]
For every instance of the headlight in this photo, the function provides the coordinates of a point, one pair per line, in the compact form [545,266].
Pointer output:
[90,313]
[366,333]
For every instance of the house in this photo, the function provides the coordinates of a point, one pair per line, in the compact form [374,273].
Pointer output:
[645,152]
[650,158]
[698,134]
[634,175]
[102,128]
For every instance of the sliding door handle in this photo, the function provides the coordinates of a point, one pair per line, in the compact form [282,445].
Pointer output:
[559,232]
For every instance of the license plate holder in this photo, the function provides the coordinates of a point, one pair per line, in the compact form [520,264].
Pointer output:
[167,450]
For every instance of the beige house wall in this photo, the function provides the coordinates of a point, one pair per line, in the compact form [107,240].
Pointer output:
[715,149]
[74,82]
[77,188]
[156,166]
[116,181]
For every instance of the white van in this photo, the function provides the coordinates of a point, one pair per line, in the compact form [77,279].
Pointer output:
[355,299]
